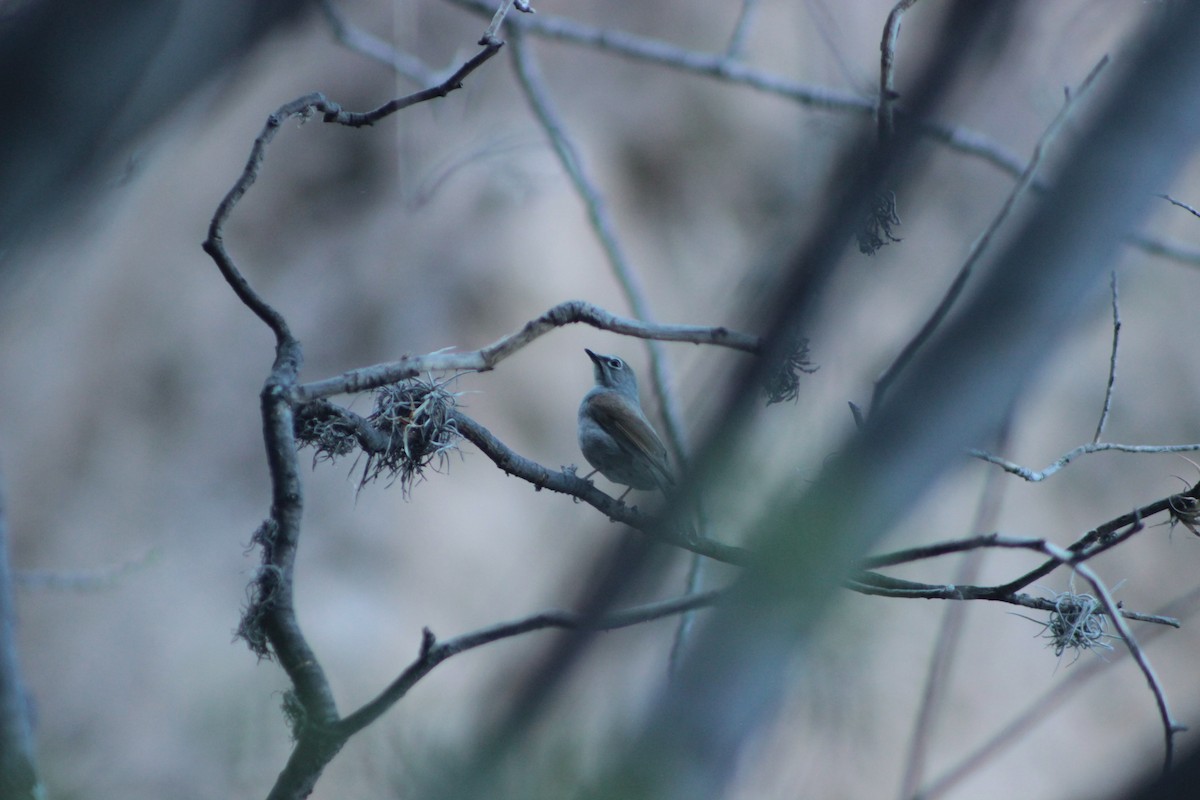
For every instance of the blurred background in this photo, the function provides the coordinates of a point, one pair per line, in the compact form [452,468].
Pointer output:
[130,440]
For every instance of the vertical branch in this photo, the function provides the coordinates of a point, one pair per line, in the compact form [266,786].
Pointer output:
[18,772]
[885,111]
[977,249]
[687,620]
[946,647]
[1112,360]
[493,28]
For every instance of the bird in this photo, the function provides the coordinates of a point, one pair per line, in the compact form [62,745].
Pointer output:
[614,434]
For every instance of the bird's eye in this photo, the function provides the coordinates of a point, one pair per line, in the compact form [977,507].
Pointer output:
[615,363]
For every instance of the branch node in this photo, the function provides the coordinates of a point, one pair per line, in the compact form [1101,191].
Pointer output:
[428,640]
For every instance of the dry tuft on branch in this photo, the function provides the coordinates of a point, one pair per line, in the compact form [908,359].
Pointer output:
[1077,623]
[416,417]
[783,383]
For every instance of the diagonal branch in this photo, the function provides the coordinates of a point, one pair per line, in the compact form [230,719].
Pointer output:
[371,46]
[1024,182]
[433,652]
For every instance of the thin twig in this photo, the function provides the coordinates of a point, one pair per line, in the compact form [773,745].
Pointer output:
[1112,361]
[955,290]
[1181,204]
[1036,476]
[1100,539]
[741,29]
[1093,542]
[946,649]
[433,652]
[885,111]
[875,585]
[360,41]
[486,358]
[493,28]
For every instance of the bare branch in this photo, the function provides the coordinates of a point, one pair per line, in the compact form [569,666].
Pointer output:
[741,29]
[885,111]
[726,68]
[1036,476]
[433,652]
[364,43]
[1112,361]
[1182,205]
[304,108]
[486,358]
[1111,609]
[493,29]
[269,623]
[566,482]
[874,584]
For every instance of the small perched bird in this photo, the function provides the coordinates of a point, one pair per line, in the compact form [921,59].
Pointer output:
[614,434]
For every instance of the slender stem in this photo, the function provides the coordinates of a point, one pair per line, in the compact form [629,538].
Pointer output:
[1112,361]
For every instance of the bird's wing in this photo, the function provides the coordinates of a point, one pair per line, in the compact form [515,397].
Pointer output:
[634,432]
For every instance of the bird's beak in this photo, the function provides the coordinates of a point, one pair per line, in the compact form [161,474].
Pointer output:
[595,358]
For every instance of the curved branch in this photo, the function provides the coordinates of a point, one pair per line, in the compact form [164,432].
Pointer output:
[486,358]
[304,107]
